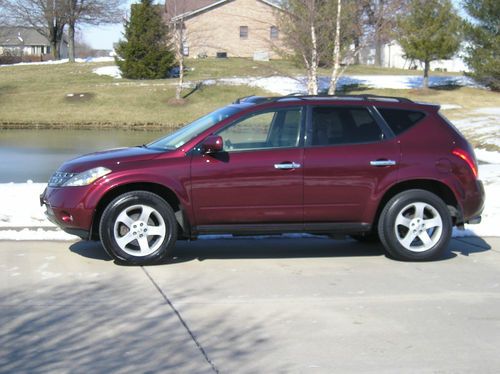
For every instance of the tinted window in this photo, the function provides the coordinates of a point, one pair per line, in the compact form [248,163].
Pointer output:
[273,129]
[400,120]
[333,125]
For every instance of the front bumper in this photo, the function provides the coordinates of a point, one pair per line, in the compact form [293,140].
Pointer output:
[66,208]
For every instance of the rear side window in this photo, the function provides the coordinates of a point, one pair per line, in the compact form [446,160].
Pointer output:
[337,125]
[400,120]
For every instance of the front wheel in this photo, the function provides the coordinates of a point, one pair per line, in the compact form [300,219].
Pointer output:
[415,225]
[138,228]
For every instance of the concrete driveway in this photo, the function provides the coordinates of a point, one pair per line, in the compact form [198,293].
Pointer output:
[250,306]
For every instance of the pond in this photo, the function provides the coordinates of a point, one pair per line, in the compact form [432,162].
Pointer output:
[36,154]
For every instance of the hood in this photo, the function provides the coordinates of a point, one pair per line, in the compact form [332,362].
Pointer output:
[109,158]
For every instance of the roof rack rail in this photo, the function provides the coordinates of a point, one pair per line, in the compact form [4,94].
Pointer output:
[253,99]
[358,97]
[382,98]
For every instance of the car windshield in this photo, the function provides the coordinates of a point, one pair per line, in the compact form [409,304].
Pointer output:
[185,134]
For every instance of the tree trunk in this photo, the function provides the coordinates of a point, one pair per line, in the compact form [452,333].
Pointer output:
[357,47]
[312,73]
[378,36]
[336,52]
[71,42]
[378,51]
[178,90]
[180,56]
[426,74]
[53,49]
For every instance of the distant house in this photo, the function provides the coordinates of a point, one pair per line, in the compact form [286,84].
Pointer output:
[232,28]
[393,57]
[19,41]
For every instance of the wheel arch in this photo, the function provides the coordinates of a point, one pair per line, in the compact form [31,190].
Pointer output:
[164,192]
[436,187]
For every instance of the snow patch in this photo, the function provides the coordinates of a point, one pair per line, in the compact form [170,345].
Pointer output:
[35,235]
[490,157]
[112,71]
[288,85]
[482,129]
[493,111]
[63,61]
[450,106]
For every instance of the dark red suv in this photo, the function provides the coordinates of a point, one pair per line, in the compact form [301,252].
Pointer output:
[375,168]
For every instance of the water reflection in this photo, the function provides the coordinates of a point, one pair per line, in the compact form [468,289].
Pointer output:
[36,154]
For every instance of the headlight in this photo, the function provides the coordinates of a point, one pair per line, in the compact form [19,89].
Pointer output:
[87,177]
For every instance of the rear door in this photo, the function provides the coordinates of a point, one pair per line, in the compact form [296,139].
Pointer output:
[349,160]
[258,177]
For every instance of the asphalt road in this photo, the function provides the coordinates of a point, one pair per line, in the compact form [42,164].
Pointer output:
[250,306]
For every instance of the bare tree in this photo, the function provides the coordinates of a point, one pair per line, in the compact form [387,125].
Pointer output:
[336,51]
[304,25]
[178,34]
[92,12]
[183,39]
[381,16]
[45,16]
[348,44]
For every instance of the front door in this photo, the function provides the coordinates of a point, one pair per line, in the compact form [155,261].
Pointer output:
[258,178]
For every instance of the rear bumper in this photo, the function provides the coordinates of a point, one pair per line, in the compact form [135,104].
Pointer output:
[473,204]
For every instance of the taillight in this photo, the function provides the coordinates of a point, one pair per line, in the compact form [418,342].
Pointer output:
[468,158]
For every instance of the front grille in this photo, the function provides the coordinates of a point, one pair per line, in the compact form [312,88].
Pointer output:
[59,178]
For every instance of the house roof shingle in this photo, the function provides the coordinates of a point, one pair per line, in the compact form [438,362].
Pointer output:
[18,36]
[174,8]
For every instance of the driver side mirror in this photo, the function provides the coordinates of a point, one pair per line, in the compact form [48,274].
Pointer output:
[212,144]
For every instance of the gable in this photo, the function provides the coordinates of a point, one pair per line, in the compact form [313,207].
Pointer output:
[191,8]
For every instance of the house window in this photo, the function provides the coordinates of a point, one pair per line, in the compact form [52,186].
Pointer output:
[243,32]
[274,33]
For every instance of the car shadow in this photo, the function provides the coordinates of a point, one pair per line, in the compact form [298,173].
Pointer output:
[278,247]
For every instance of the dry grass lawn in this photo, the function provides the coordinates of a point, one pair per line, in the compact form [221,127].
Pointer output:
[71,95]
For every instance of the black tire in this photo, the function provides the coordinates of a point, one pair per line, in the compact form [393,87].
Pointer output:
[410,213]
[142,211]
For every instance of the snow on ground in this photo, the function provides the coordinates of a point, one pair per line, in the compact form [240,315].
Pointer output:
[112,71]
[482,128]
[63,61]
[22,217]
[287,85]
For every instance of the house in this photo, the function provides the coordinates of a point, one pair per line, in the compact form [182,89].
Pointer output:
[226,28]
[393,56]
[26,41]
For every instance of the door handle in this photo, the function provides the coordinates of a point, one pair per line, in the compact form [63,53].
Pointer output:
[287,166]
[383,163]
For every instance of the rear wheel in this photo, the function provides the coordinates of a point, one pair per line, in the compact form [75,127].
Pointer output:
[138,228]
[415,225]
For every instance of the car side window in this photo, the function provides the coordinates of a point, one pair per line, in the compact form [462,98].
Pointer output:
[272,129]
[400,120]
[337,125]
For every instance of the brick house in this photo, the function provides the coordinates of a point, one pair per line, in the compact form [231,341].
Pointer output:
[232,28]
